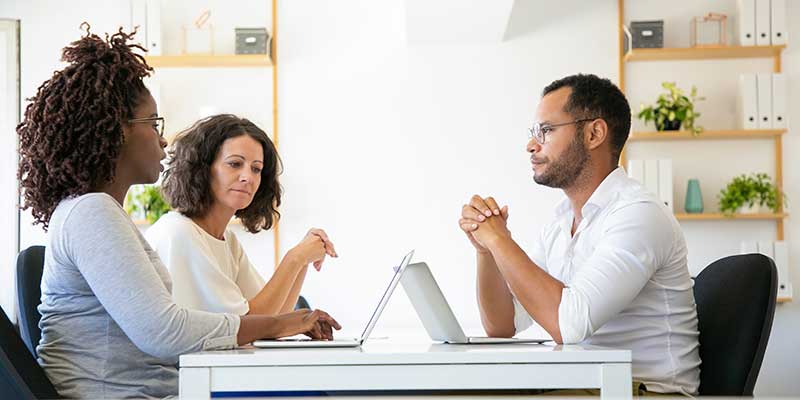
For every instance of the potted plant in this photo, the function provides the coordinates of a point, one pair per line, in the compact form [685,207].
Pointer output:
[747,194]
[673,109]
[146,202]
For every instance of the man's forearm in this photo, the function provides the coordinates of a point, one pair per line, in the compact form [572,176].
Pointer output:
[494,299]
[537,291]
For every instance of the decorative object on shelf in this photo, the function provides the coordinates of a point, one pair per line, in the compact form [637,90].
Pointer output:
[199,37]
[252,41]
[694,199]
[673,109]
[748,194]
[146,202]
[647,34]
[709,30]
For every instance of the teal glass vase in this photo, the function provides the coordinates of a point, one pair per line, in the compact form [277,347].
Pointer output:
[694,199]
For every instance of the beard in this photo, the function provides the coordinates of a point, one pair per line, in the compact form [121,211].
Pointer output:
[565,171]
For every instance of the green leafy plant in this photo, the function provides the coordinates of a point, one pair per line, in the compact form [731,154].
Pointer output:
[146,202]
[673,109]
[750,190]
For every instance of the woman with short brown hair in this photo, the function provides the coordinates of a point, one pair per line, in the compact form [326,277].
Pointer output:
[224,167]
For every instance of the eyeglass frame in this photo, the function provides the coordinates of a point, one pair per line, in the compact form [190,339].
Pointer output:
[150,119]
[538,126]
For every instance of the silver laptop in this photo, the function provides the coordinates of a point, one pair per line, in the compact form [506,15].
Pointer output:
[344,342]
[435,313]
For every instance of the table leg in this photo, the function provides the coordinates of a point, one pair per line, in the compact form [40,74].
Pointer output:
[194,383]
[616,381]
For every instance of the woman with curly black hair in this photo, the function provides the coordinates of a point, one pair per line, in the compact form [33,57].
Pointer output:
[225,166]
[109,325]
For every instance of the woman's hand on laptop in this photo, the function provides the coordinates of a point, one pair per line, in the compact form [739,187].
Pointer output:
[313,248]
[316,324]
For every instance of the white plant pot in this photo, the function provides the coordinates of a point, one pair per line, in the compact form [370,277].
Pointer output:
[748,209]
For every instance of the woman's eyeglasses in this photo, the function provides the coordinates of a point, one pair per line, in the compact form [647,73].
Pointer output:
[158,123]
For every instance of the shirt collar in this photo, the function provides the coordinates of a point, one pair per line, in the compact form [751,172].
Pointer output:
[606,192]
[600,198]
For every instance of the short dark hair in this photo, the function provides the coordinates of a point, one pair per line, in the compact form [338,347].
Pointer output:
[187,180]
[71,133]
[595,97]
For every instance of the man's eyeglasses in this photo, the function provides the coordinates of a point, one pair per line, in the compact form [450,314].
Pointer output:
[158,123]
[539,131]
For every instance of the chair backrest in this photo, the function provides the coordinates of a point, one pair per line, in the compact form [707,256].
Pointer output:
[735,305]
[20,376]
[301,303]
[30,264]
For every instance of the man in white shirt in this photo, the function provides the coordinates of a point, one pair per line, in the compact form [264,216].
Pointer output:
[611,269]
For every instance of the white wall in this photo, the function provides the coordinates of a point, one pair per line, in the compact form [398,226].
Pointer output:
[383,141]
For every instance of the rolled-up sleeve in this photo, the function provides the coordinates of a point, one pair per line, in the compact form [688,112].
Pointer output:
[634,241]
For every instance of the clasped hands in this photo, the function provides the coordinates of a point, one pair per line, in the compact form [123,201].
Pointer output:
[484,222]
[313,248]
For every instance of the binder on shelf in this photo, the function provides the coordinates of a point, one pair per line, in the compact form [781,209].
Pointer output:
[779,105]
[665,183]
[153,28]
[635,170]
[139,19]
[651,176]
[764,86]
[781,258]
[778,22]
[763,33]
[749,247]
[767,249]
[747,23]
[747,103]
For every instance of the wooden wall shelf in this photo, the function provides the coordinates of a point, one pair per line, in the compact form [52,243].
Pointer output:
[723,217]
[223,61]
[784,299]
[703,53]
[707,135]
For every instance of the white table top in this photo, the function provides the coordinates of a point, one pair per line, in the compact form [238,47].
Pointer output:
[399,353]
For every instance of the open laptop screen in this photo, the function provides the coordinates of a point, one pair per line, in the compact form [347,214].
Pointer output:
[398,272]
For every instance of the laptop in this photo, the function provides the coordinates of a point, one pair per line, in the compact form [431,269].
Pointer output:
[344,342]
[435,313]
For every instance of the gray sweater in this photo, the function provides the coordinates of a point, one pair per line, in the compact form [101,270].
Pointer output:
[109,326]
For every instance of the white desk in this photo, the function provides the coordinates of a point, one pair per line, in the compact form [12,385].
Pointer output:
[384,366]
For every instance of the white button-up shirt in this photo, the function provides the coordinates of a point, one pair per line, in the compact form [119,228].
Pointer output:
[627,282]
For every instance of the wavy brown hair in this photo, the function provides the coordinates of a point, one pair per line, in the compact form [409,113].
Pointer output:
[71,133]
[187,180]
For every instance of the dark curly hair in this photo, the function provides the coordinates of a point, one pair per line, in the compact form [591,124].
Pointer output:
[71,133]
[595,97]
[187,180]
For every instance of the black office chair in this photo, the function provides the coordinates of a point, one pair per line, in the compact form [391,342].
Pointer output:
[30,264]
[20,376]
[301,303]
[735,305]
